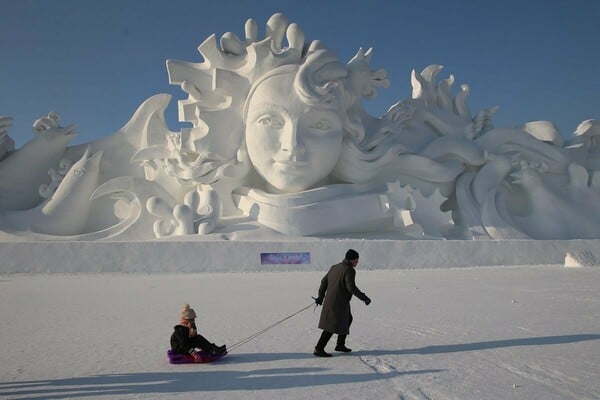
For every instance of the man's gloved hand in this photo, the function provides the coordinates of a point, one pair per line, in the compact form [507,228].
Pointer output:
[318,301]
[367,301]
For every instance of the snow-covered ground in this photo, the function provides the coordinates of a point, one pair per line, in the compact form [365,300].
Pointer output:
[475,333]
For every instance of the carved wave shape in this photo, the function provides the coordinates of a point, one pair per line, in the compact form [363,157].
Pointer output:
[24,170]
[66,211]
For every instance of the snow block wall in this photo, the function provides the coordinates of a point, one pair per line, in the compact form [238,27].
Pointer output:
[163,256]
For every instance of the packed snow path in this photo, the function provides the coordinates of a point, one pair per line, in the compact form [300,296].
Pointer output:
[477,333]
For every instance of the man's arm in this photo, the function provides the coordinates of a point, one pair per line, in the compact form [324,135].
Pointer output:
[349,278]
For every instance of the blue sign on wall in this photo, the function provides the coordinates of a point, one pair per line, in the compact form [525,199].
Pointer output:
[284,258]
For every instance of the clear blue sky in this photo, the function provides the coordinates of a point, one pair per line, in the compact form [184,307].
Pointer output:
[94,62]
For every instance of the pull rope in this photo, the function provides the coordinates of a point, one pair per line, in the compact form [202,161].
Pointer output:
[257,334]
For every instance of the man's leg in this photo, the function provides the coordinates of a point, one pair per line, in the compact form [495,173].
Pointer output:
[341,340]
[320,347]
[341,344]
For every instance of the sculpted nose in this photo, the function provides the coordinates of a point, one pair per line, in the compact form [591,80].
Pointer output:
[289,138]
[290,142]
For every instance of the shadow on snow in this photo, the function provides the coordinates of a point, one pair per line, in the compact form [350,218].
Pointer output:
[195,381]
[203,380]
[493,344]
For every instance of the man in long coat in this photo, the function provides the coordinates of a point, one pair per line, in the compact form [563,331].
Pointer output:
[335,292]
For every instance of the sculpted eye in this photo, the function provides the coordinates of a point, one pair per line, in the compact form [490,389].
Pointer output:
[321,125]
[270,121]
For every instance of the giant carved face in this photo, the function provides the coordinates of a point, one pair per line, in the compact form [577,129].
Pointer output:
[292,144]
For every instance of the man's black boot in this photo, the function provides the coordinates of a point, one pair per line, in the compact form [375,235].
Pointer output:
[342,348]
[320,347]
[321,352]
[341,344]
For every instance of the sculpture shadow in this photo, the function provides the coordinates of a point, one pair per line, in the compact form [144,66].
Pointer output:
[201,379]
[493,344]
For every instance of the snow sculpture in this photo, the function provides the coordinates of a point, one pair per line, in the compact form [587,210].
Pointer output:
[280,143]
[186,218]
[24,170]
[6,142]
[66,211]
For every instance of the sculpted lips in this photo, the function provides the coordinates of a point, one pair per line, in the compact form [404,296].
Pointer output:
[289,166]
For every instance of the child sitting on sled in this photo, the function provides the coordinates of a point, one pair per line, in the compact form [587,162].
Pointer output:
[186,340]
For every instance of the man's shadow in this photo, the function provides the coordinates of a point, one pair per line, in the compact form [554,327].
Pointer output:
[493,344]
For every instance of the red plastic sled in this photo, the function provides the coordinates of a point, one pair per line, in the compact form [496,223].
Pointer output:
[189,359]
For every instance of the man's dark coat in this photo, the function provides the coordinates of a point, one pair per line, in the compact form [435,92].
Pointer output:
[337,288]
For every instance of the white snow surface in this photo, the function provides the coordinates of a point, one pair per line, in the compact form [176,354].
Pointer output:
[475,333]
